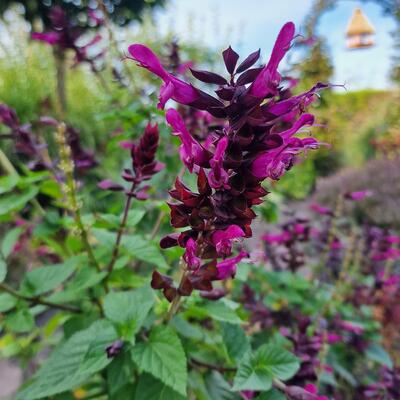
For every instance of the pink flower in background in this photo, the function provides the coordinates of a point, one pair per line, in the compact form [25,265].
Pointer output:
[358,196]
[322,210]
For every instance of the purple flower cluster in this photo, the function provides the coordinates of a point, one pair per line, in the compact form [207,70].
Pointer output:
[248,146]
[387,388]
[284,249]
[144,164]
[65,36]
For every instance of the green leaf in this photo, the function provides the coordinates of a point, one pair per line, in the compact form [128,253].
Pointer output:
[72,363]
[258,369]
[16,201]
[378,354]
[163,357]
[128,310]
[134,245]
[144,250]
[9,240]
[7,302]
[20,322]
[43,279]
[8,183]
[221,312]
[3,270]
[150,388]
[119,372]
[218,388]
[273,394]
[236,341]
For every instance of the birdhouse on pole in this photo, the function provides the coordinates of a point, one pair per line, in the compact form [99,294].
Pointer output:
[359,31]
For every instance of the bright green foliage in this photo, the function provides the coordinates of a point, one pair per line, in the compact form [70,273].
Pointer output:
[258,369]
[162,356]
[128,310]
[72,363]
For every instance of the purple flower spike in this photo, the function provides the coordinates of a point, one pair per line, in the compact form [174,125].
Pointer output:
[253,138]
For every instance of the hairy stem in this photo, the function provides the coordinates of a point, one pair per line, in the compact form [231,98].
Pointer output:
[37,300]
[67,166]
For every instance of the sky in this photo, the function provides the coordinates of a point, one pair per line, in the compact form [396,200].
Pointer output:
[251,24]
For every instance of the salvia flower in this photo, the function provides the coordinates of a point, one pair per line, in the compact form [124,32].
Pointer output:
[254,139]
[143,167]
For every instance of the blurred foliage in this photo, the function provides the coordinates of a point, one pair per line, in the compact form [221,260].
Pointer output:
[120,11]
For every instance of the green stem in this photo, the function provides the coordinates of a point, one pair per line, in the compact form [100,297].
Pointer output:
[37,300]
[121,230]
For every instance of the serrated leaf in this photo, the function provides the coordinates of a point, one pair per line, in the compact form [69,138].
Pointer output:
[72,363]
[3,270]
[236,341]
[119,372]
[163,357]
[258,369]
[128,310]
[218,388]
[144,250]
[377,353]
[44,279]
[221,312]
[150,388]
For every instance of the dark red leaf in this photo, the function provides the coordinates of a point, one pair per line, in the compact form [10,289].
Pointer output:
[169,241]
[185,288]
[159,281]
[248,62]
[248,76]
[208,77]
[225,93]
[230,59]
